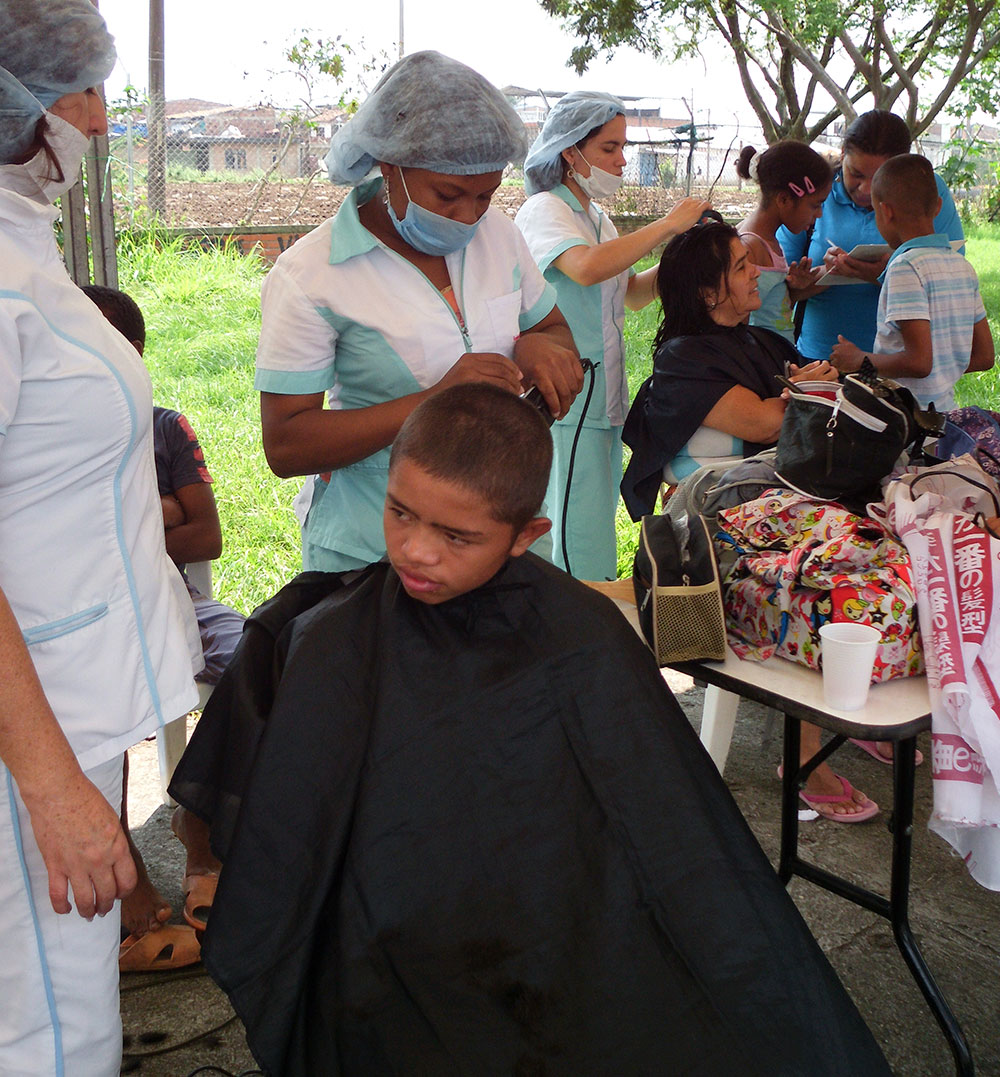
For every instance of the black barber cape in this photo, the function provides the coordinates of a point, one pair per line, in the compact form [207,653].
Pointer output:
[482,838]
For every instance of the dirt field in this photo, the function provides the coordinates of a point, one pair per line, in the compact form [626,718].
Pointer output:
[219,205]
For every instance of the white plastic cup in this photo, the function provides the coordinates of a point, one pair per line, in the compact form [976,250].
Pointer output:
[848,651]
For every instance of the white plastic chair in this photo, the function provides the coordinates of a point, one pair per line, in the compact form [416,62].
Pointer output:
[172,738]
[718,718]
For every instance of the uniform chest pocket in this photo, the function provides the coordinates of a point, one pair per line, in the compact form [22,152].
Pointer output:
[500,325]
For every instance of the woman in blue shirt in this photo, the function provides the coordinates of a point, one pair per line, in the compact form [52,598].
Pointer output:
[848,219]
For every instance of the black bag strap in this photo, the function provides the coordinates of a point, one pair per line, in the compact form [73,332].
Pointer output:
[800,306]
[965,478]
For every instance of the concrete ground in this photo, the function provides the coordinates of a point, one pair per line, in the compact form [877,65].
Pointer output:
[179,1023]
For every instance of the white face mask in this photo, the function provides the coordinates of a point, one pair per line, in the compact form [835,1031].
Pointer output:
[599,184]
[35,178]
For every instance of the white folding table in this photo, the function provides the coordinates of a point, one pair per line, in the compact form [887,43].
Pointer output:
[896,711]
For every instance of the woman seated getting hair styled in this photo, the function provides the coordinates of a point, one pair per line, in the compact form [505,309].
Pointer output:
[713,396]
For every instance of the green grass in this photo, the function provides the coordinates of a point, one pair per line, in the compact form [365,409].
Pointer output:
[202,313]
[190,174]
[983,251]
[203,317]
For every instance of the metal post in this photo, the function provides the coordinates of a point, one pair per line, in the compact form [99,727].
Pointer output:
[74,227]
[130,166]
[102,213]
[691,140]
[708,147]
[156,175]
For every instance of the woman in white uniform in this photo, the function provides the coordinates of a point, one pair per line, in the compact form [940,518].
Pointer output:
[92,632]
[415,285]
[577,159]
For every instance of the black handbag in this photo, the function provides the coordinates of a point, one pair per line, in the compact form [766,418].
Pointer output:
[677,589]
[838,442]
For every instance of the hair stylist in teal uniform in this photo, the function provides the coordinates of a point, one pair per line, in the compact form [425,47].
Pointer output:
[576,161]
[414,285]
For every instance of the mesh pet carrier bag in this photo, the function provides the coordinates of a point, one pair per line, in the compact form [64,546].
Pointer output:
[677,590]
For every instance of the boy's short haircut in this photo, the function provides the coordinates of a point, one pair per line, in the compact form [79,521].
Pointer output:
[120,309]
[486,440]
[906,182]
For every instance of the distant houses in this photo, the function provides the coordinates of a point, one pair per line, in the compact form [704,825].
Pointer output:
[210,137]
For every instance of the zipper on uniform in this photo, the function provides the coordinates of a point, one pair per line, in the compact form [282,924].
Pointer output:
[458,319]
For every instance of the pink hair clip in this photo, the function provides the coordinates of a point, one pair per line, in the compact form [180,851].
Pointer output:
[810,187]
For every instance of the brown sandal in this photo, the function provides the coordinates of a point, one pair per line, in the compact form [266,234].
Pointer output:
[169,947]
[199,893]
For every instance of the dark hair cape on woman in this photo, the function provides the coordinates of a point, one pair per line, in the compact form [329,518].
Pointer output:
[481,837]
[691,374]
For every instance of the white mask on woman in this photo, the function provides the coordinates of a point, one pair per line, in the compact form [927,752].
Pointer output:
[599,184]
[37,178]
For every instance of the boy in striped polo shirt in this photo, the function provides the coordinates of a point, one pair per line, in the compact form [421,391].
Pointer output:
[932,325]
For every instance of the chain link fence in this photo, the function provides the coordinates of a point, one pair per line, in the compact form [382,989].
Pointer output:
[216,167]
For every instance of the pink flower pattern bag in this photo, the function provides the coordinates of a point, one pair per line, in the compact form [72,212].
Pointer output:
[801,563]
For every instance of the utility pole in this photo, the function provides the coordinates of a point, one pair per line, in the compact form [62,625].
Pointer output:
[692,140]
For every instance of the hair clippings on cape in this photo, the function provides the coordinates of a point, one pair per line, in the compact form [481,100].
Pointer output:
[810,187]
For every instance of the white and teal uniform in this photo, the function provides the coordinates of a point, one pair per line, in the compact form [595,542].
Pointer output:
[345,315]
[553,222]
[102,609]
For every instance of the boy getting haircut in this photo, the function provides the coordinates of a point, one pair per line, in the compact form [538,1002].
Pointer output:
[485,439]
[495,842]
[467,475]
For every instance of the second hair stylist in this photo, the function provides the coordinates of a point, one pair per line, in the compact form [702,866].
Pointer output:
[577,160]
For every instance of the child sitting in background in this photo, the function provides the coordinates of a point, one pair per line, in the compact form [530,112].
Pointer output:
[794,181]
[193,533]
[932,325]
[492,842]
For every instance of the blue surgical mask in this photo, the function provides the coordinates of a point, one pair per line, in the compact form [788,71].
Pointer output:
[428,232]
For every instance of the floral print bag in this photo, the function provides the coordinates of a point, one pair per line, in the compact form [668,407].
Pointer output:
[801,563]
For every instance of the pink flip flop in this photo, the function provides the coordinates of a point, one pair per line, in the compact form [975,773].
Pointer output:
[819,801]
[871,747]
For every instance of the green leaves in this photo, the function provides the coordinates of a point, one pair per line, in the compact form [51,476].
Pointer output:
[331,69]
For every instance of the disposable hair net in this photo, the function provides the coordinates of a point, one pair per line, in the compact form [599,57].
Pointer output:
[571,119]
[49,48]
[429,111]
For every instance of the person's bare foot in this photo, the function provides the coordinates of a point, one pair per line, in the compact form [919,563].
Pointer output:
[192,833]
[885,749]
[824,782]
[145,909]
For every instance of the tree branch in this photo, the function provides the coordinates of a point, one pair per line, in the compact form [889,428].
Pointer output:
[784,49]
